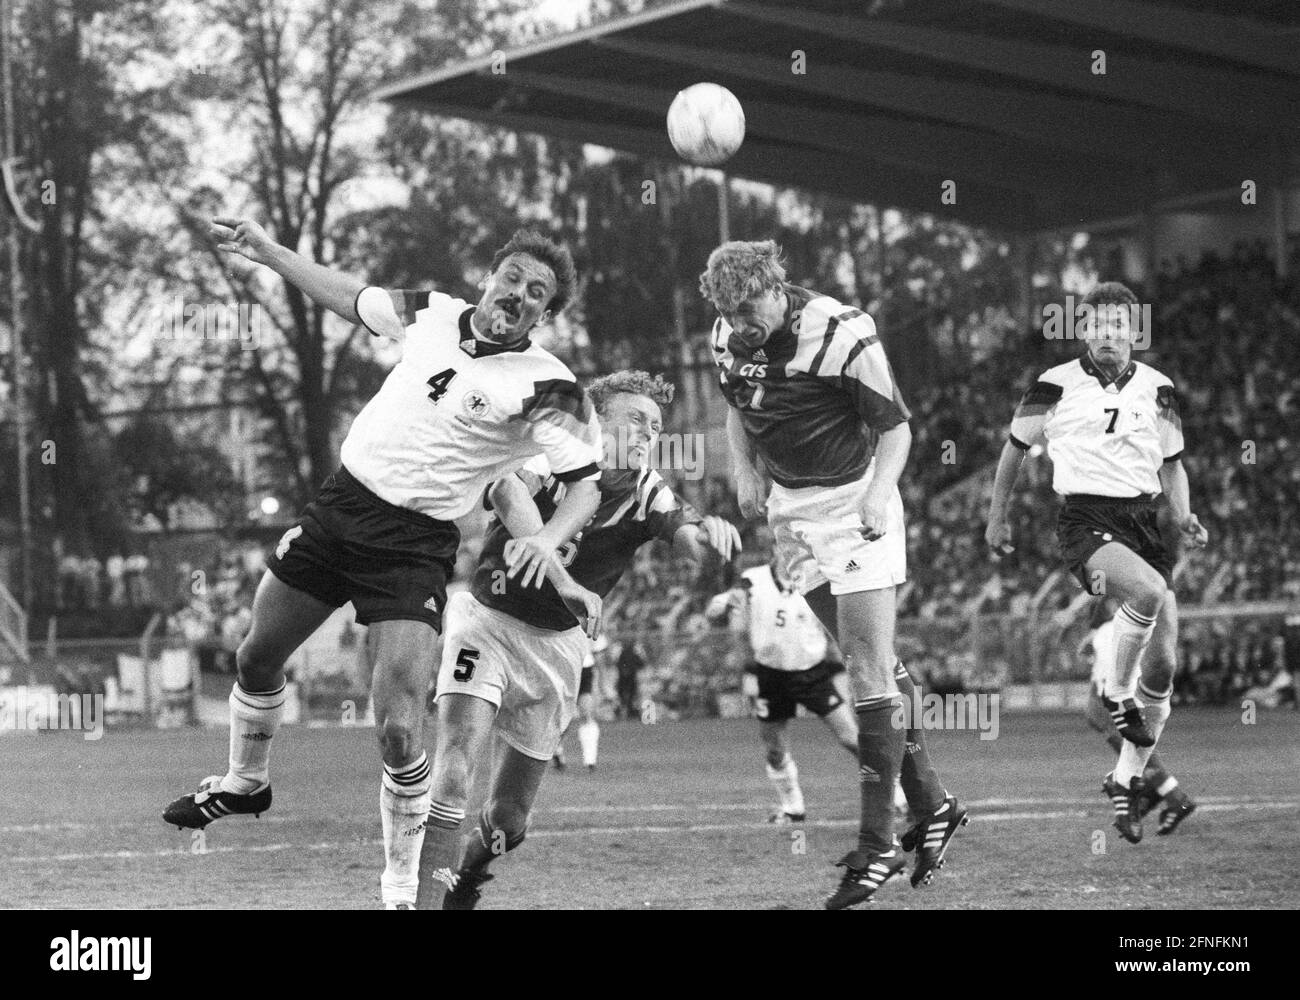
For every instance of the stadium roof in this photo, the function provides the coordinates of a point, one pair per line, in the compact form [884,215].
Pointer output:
[899,96]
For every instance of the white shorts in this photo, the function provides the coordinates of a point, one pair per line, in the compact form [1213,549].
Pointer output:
[530,674]
[817,535]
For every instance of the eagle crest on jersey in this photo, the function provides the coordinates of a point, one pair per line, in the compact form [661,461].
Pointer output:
[1106,437]
[817,395]
[447,421]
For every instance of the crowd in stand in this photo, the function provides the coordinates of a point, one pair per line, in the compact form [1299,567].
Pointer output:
[90,584]
[215,610]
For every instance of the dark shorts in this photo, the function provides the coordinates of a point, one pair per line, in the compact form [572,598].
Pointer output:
[781,691]
[585,681]
[1087,523]
[349,545]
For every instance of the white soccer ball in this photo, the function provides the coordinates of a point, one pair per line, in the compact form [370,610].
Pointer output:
[706,124]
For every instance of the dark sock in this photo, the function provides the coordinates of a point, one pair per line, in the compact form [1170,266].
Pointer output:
[925,792]
[486,844]
[439,855]
[880,756]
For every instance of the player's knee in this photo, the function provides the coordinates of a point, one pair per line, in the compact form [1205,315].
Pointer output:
[508,816]
[775,756]
[398,741]
[257,670]
[1148,595]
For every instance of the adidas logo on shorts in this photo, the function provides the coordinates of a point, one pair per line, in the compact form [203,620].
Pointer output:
[852,567]
[431,605]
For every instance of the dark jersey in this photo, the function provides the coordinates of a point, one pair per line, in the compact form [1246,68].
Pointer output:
[636,506]
[814,398]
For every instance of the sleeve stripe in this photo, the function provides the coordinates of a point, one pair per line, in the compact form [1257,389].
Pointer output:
[412,303]
[1044,394]
[648,501]
[1017,442]
[859,347]
[816,367]
[562,395]
[575,475]
[1174,458]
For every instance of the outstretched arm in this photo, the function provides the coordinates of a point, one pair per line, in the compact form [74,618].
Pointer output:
[332,290]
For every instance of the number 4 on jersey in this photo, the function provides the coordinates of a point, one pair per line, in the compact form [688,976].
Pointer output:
[440,382]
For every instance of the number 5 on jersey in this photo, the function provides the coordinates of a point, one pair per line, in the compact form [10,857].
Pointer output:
[466,661]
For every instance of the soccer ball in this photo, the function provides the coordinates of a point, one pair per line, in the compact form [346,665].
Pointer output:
[706,124]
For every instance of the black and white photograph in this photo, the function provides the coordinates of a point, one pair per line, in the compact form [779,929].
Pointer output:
[663,455]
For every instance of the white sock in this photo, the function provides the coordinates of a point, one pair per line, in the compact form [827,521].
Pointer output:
[254,719]
[1132,633]
[403,808]
[786,780]
[589,740]
[1133,759]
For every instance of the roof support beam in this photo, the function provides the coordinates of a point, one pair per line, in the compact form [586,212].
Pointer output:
[953,152]
[1222,96]
[1128,134]
[1261,45]
[856,181]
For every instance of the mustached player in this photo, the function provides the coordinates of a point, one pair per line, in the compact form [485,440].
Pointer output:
[1115,438]
[813,404]
[513,655]
[471,400]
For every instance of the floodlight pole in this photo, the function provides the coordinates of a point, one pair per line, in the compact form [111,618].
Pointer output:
[15,324]
[724,209]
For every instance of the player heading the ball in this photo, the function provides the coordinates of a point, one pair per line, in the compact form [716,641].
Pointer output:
[815,407]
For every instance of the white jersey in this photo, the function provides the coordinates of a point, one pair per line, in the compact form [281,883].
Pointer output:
[783,631]
[457,413]
[1104,437]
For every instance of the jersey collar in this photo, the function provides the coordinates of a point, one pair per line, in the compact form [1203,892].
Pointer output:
[476,348]
[1105,380]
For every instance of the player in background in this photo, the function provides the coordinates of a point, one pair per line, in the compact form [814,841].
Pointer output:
[813,404]
[1115,439]
[514,654]
[791,666]
[471,400]
[585,720]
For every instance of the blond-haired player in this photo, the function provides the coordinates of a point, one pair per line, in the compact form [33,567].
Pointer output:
[815,411]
